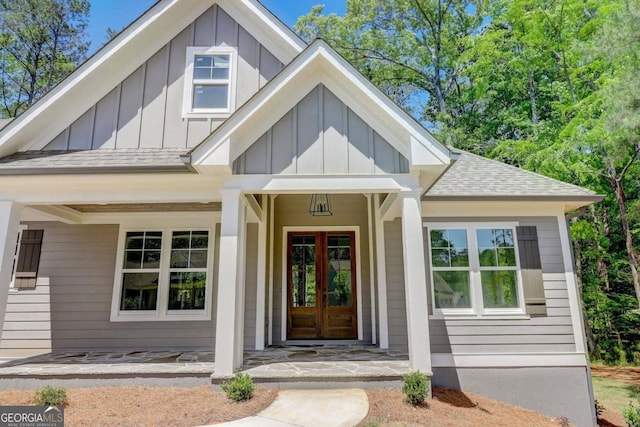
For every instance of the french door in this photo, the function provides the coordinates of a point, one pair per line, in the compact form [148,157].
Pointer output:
[321,285]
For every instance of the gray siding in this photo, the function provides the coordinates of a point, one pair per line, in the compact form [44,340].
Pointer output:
[396,301]
[551,333]
[79,263]
[27,322]
[348,210]
[321,135]
[145,110]
[250,287]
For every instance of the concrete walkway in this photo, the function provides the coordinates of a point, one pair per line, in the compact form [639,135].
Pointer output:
[311,408]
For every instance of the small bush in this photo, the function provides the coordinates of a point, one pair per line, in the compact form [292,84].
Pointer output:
[49,395]
[599,408]
[415,388]
[241,387]
[631,414]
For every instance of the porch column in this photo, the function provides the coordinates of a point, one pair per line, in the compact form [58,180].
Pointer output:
[415,283]
[381,259]
[9,225]
[230,309]
[261,282]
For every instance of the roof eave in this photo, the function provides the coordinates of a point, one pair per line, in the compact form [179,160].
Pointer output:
[95,170]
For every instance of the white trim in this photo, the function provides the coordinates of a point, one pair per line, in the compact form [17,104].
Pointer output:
[261,273]
[382,275]
[484,208]
[334,184]
[372,280]
[272,202]
[188,111]
[475,284]
[125,53]
[289,229]
[162,313]
[320,64]
[508,360]
[572,286]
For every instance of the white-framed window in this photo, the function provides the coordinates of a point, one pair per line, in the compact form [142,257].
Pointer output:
[210,83]
[163,273]
[475,268]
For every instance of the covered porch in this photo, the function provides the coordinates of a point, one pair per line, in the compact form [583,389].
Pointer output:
[277,366]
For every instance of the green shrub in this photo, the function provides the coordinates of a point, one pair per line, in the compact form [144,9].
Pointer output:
[415,388]
[631,414]
[48,395]
[241,387]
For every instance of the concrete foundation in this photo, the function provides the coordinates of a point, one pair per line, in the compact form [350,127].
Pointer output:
[554,391]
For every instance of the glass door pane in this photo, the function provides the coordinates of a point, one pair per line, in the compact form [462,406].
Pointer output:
[303,271]
[339,289]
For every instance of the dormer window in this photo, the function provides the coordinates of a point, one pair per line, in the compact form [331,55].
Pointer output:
[209,82]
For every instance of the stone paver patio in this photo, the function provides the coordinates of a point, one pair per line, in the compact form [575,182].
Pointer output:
[277,363]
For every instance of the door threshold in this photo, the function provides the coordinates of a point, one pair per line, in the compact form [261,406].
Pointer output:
[319,343]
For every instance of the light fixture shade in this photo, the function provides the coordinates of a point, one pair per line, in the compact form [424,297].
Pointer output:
[320,205]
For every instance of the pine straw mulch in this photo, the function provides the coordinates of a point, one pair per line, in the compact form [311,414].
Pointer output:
[450,408]
[149,406]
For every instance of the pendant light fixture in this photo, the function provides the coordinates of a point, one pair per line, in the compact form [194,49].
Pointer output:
[320,205]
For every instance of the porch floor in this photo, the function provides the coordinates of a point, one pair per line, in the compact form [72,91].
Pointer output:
[277,364]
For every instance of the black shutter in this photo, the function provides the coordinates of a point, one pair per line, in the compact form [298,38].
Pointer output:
[535,302]
[28,259]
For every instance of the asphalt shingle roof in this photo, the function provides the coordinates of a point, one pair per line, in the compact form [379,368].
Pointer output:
[473,176]
[134,159]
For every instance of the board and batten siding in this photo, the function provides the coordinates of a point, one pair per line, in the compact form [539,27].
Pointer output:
[320,135]
[292,211]
[78,262]
[550,333]
[145,110]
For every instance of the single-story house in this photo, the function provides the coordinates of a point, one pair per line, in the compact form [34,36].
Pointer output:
[207,180]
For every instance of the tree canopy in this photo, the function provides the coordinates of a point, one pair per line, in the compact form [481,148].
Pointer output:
[41,42]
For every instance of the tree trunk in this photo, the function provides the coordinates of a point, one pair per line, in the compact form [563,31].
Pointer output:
[602,228]
[532,98]
[618,190]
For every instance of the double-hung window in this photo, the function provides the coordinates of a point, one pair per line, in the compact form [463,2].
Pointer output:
[163,274]
[474,269]
[209,82]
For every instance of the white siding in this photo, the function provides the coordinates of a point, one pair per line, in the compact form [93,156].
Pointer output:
[145,110]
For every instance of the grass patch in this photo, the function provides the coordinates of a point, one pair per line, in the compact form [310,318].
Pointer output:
[613,394]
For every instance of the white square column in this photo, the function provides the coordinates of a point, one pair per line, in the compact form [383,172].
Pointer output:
[230,307]
[415,283]
[9,228]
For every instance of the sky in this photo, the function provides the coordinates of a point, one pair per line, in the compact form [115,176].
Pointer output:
[117,14]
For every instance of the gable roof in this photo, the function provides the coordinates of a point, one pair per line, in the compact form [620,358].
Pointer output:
[474,177]
[125,53]
[319,64]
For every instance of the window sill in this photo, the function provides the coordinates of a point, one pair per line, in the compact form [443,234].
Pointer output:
[204,115]
[161,318]
[491,316]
